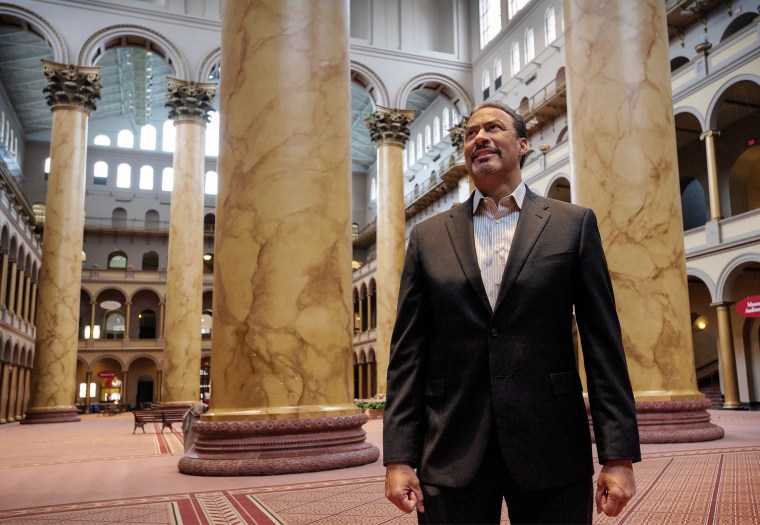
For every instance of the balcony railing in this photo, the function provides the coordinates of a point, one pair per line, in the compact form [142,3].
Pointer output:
[131,225]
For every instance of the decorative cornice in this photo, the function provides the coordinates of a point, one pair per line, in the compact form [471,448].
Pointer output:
[388,125]
[70,85]
[189,100]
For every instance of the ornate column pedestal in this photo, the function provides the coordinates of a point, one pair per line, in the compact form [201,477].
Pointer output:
[72,92]
[624,166]
[389,129]
[190,103]
[283,318]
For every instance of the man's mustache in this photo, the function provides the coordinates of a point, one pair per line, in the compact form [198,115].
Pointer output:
[495,149]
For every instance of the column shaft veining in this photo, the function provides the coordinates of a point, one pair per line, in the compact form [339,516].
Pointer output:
[389,130]
[189,104]
[624,166]
[71,92]
[282,315]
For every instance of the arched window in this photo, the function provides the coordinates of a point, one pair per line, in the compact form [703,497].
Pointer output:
[428,138]
[117,260]
[124,176]
[150,261]
[151,220]
[210,186]
[39,213]
[125,139]
[490,20]
[148,137]
[530,45]
[167,179]
[515,62]
[550,25]
[146,178]
[373,189]
[497,73]
[206,322]
[147,320]
[419,146]
[119,218]
[486,84]
[114,324]
[436,130]
[446,121]
[412,156]
[212,135]
[168,136]
[100,173]
[47,166]
[209,222]
[101,140]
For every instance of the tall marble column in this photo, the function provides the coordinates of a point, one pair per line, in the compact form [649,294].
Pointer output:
[5,390]
[389,129]
[11,302]
[727,357]
[712,174]
[4,260]
[190,103]
[13,394]
[72,92]
[281,345]
[624,166]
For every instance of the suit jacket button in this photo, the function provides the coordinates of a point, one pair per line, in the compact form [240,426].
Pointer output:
[494,332]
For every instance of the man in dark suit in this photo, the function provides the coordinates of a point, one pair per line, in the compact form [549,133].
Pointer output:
[484,398]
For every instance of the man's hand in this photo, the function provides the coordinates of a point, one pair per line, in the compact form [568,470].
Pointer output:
[614,487]
[402,488]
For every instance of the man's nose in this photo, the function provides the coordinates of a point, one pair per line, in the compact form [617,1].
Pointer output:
[481,137]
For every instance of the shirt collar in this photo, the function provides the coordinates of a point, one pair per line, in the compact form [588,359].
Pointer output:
[518,195]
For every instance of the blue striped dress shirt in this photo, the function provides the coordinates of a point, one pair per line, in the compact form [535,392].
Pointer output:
[494,225]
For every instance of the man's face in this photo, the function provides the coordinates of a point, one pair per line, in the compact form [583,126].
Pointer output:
[492,150]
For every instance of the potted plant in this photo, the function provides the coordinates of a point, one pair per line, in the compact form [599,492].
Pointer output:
[373,409]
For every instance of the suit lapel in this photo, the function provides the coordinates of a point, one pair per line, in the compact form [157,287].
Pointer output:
[533,218]
[459,226]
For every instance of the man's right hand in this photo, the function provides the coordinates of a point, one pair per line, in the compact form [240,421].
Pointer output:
[402,487]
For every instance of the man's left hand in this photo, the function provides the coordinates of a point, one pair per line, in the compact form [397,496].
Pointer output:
[615,487]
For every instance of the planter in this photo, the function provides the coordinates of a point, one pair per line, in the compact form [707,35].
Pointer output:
[374,413]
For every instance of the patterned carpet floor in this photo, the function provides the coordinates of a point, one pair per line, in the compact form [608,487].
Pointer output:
[97,472]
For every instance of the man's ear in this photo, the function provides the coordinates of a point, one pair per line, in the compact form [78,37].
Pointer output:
[524,146]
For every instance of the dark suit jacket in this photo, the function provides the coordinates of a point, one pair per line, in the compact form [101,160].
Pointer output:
[460,371]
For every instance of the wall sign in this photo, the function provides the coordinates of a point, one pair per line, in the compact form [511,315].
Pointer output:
[749,306]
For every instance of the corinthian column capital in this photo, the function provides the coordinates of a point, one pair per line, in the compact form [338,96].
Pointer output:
[388,125]
[457,134]
[70,85]
[189,100]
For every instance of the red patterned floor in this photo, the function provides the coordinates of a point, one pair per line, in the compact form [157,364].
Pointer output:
[709,483]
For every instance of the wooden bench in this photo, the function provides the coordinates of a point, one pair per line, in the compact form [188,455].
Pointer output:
[165,416]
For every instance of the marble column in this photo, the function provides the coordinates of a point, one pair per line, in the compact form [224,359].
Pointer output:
[88,398]
[160,321]
[3,277]
[92,319]
[127,320]
[33,311]
[72,92]
[124,390]
[27,297]
[727,357]
[624,166]
[11,302]
[13,393]
[5,390]
[281,344]
[389,129]
[189,104]
[20,278]
[708,136]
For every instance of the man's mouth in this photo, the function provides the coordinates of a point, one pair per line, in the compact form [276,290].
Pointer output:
[484,152]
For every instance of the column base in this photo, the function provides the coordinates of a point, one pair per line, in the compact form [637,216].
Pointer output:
[683,421]
[284,446]
[51,415]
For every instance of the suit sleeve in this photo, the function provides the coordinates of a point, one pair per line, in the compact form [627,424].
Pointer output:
[613,408]
[403,418]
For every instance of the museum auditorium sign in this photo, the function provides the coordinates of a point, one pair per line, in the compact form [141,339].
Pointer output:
[749,306]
